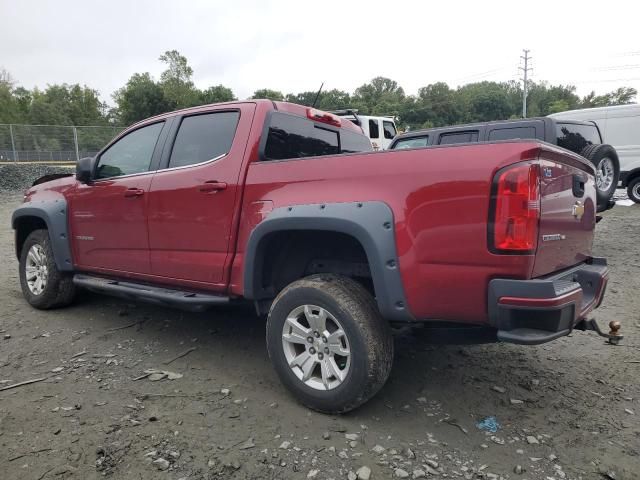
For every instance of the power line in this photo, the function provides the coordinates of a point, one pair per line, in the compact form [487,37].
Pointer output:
[633,79]
[525,80]
[479,75]
[616,67]
[628,54]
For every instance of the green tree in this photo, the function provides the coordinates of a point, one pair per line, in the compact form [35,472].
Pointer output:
[620,96]
[176,80]
[23,97]
[140,98]
[10,111]
[559,106]
[215,94]
[334,100]
[327,100]
[268,94]
[483,101]
[381,96]
[434,105]
[62,105]
[543,99]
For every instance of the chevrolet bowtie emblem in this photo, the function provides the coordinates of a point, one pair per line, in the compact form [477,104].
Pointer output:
[578,210]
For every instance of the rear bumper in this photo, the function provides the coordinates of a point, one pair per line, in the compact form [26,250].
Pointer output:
[536,311]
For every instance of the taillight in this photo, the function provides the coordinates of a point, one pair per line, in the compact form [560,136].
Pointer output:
[515,210]
[324,117]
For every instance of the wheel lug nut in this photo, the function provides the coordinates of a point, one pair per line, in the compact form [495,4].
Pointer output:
[324,339]
[317,334]
[312,351]
[320,356]
[310,339]
[326,350]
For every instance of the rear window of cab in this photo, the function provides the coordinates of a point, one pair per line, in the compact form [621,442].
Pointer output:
[290,136]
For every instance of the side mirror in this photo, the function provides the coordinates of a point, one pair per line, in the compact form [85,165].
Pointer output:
[84,169]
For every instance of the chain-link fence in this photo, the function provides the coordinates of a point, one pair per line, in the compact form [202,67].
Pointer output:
[52,143]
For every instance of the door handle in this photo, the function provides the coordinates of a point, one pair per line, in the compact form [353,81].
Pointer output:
[578,186]
[133,192]
[212,186]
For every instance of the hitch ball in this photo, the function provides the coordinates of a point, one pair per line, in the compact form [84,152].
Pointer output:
[614,325]
[614,333]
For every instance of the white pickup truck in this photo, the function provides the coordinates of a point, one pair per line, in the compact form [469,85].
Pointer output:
[380,130]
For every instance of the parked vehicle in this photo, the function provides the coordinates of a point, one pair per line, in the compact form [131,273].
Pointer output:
[289,208]
[583,138]
[381,130]
[620,127]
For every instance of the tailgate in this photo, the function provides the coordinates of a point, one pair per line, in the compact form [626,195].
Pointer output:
[568,208]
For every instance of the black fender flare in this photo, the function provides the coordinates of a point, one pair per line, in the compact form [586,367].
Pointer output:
[370,223]
[54,214]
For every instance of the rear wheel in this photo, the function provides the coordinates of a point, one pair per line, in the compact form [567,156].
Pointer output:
[633,189]
[607,165]
[328,342]
[43,285]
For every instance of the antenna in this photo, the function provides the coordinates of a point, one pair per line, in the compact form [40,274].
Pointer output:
[317,95]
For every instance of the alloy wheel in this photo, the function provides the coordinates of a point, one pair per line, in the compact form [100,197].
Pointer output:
[36,269]
[316,347]
[604,174]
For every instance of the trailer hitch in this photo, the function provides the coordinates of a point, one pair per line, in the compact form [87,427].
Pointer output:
[613,337]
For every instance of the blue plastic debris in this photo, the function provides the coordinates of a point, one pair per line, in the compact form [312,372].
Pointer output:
[490,424]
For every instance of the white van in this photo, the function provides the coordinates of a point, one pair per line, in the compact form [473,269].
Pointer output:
[620,127]
[380,130]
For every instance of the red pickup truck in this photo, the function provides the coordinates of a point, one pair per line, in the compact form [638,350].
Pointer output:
[288,207]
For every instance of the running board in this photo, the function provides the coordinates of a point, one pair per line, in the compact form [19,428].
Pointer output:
[184,300]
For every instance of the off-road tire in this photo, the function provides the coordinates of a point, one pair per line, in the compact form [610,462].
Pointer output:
[369,336]
[633,189]
[595,153]
[59,290]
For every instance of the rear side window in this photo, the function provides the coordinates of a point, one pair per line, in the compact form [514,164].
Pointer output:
[413,142]
[458,137]
[374,130]
[131,154]
[389,129]
[511,133]
[351,142]
[576,137]
[291,136]
[203,137]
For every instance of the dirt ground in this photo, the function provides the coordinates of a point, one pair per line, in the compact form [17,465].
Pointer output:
[567,410]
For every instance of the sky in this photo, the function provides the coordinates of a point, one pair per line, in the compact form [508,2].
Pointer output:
[293,46]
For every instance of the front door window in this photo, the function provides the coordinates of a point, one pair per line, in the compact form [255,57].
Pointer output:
[131,154]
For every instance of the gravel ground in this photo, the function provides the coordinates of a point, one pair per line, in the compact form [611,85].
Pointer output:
[20,177]
[567,410]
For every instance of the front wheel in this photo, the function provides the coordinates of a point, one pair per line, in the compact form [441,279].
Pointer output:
[43,285]
[328,343]
[633,190]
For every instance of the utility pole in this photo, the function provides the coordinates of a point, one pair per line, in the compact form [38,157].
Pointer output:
[525,80]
